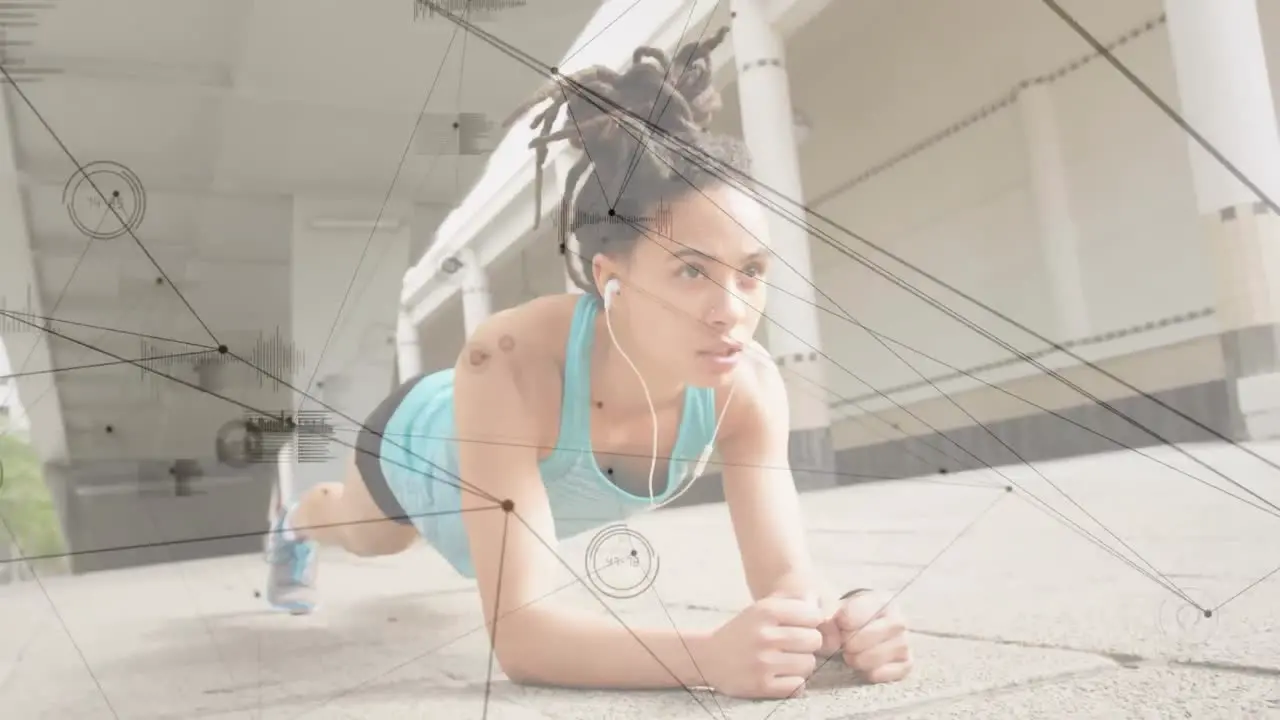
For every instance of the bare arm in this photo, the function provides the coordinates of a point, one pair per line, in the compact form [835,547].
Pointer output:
[761,494]
[536,639]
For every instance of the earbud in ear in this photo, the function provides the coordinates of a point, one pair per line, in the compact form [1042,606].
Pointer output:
[611,288]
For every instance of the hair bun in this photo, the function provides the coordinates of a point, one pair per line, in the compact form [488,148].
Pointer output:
[674,96]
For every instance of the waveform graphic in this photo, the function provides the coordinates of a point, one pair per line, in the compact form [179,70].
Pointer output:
[15,17]
[308,431]
[472,10]
[271,359]
[12,325]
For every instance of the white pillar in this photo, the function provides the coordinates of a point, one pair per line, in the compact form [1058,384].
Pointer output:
[477,303]
[793,332]
[408,349]
[570,286]
[1059,234]
[336,333]
[1226,96]
[349,398]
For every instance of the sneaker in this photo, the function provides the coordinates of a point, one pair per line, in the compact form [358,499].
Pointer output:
[291,581]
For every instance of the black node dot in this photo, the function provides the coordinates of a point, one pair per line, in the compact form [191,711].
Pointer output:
[612,212]
[562,249]
[599,404]
[733,15]
[635,553]
[555,71]
[1208,613]
[222,349]
[455,126]
[508,506]
[159,281]
[115,193]
[1008,488]
[609,471]
[942,471]
[110,429]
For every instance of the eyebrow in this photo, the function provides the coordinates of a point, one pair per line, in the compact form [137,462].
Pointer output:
[691,253]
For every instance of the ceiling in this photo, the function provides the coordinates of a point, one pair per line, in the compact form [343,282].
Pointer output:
[218,113]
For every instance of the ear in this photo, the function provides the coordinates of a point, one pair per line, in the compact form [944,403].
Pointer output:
[602,268]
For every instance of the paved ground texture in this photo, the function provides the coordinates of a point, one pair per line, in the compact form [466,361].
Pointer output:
[1017,613]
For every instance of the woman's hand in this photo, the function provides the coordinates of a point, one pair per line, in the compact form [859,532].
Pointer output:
[768,651]
[870,634]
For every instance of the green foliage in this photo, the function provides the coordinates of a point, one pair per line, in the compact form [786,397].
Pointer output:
[26,506]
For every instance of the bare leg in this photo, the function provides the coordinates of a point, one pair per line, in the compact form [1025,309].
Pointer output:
[345,515]
[341,514]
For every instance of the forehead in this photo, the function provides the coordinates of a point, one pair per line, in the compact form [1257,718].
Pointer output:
[720,221]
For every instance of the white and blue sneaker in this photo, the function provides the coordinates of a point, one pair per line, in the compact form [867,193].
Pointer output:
[291,579]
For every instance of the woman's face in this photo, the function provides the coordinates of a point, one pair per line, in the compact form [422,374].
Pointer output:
[694,284]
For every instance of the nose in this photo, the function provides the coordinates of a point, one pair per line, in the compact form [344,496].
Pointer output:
[728,308]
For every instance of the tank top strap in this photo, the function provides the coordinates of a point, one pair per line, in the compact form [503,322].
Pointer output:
[575,404]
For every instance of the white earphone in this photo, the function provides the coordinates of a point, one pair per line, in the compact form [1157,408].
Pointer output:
[611,289]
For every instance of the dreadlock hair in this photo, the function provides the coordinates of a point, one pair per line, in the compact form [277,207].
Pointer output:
[625,177]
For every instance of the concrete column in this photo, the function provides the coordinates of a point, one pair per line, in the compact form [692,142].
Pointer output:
[477,302]
[570,286]
[1059,235]
[408,349]
[1226,96]
[793,334]
[347,274]
[350,397]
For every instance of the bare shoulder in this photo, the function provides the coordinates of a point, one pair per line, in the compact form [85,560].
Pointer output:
[523,344]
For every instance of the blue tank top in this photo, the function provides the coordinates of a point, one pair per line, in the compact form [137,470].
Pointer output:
[420,454]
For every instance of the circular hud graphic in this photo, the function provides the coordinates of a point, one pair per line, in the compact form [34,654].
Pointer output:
[105,200]
[1185,623]
[239,444]
[621,563]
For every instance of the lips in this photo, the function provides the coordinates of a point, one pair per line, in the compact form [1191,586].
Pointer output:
[722,349]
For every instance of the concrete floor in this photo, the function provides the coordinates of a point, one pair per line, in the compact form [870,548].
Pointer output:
[1021,617]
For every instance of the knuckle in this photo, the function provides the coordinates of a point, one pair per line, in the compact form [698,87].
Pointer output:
[814,641]
[761,635]
[759,664]
[858,661]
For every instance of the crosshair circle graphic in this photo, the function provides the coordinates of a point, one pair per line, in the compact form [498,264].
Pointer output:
[239,444]
[105,200]
[621,563]
[1185,623]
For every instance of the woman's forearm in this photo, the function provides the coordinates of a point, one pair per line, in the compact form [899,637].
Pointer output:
[806,584]
[567,650]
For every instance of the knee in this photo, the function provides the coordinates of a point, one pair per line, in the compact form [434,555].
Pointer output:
[377,541]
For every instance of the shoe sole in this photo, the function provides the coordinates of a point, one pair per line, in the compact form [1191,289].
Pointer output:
[294,607]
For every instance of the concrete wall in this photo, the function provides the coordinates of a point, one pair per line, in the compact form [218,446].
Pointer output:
[962,209]
[127,513]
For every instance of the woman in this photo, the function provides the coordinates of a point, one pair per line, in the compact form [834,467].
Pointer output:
[563,407]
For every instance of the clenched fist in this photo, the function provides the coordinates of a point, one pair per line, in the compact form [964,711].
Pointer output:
[870,634]
[767,651]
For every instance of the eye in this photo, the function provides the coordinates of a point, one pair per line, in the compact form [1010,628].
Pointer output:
[753,270]
[691,272]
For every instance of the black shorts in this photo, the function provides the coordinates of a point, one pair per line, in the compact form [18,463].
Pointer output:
[369,453]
